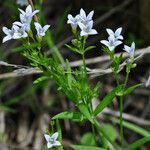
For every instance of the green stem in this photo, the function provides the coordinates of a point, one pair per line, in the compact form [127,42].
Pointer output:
[101,131]
[126,80]
[84,63]
[121,122]
[117,78]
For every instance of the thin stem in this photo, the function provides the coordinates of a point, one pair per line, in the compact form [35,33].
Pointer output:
[84,64]
[126,80]
[121,122]
[117,78]
[100,130]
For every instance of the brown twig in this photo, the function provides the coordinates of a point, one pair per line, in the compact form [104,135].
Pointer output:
[30,71]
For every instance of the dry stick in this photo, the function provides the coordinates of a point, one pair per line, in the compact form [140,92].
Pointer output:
[128,117]
[31,71]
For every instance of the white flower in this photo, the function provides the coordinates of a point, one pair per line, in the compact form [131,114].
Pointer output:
[73,21]
[22,2]
[9,33]
[111,43]
[87,29]
[130,49]
[19,33]
[116,34]
[14,33]
[26,18]
[41,30]
[85,19]
[52,140]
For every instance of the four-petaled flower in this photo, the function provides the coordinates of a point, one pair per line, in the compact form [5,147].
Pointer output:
[52,140]
[26,18]
[85,19]
[41,30]
[73,21]
[9,33]
[19,33]
[130,49]
[87,29]
[111,43]
[116,34]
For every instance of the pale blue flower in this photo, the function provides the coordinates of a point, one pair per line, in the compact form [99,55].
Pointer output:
[19,33]
[85,19]
[52,140]
[87,29]
[26,18]
[9,33]
[130,50]
[14,33]
[41,30]
[73,21]
[22,2]
[116,34]
[112,43]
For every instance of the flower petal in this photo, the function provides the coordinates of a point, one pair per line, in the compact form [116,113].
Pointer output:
[82,13]
[46,27]
[54,136]
[70,17]
[35,12]
[83,33]
[17,23]
[116,43]
[90,15]
[90,24]
[109,31]
[81,25]
[49,145]
[47,137]
[118,31]
[57,143]
[37,26]
[6,30]
[6,38]
[29,9]
[21,11]
[106,43]
[93,32]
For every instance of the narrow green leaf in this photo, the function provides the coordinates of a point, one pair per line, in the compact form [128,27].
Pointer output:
[74,49]
[41,79]
[131,89]
[84,110]
[7,109]
[69,115]
[132,127]
[69,76]
[138,143]
[89,48]
[107,100]
[81,147]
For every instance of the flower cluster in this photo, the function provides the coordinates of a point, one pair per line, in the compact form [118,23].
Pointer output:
[52,140]
[20,29]
[115,39]
[85,23]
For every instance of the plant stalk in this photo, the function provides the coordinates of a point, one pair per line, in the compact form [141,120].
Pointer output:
[121,122]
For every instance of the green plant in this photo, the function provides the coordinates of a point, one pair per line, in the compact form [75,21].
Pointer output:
[74,83]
